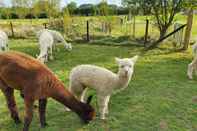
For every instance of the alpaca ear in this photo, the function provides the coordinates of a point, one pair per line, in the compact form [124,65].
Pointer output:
[89,99]
[135,58]
[117,60]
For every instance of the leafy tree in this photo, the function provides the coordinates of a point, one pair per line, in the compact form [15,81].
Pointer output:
[133,6]
[87,9]
[19,8]
[72,6]
[164,12]
[50,7]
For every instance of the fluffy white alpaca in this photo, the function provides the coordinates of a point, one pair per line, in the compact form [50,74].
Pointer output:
[102,80]
[57,38]
[3,41]
[193,65]
[46,44]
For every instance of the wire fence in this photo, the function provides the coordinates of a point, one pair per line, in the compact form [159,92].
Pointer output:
[112,30]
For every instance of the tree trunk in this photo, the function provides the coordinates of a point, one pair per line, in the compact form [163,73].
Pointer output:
[163,32]
[188,29]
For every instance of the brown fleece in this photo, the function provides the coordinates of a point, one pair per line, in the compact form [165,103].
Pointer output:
[36,82]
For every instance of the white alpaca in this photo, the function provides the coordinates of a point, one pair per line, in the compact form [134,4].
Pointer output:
[46,44]
[57,38]
[3,41]
[102,80]
[193,65]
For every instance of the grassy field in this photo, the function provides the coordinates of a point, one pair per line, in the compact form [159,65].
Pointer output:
[159,97]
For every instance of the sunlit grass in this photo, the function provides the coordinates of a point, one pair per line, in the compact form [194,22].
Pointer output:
[159,96]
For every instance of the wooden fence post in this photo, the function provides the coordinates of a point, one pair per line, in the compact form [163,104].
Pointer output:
[88,35]
[134,26]
[45,25]
[12,29]
[146,33]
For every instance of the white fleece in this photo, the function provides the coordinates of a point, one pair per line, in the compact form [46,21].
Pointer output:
[192,67]
[46,44]
[57,38]
[3,41]
[102,80]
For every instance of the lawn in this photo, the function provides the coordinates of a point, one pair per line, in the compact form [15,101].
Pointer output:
[159,97]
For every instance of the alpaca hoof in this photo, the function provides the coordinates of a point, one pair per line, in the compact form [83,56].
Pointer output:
[67,109]
[190,76]
[51,58]
[103,118]
[17,121]
[44,125]
[35,106]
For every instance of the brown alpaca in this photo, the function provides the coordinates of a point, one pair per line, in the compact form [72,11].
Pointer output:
[36,82]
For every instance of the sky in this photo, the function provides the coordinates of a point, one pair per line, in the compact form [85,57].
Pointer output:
[79,2]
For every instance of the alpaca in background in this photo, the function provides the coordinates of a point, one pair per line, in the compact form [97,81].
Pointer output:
[57,38]
[3,41]
[46,46]
[102,80]
[192,67]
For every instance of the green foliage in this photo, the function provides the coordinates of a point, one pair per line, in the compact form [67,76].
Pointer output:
[72,6]
[159,97]
[190,4]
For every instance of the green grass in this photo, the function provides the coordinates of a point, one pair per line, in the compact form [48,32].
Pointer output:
[159,97]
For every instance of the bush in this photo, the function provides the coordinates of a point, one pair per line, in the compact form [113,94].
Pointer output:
[43,15]
[4,16]
[14,16]
[30,16]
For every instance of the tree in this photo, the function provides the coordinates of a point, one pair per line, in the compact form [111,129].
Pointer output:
[51,8]
[133,6]
[19,7]
[87,9]
[72,6]
[164,12]
[190,5]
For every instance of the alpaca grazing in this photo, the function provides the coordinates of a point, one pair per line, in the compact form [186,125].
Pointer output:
[57,38]
[36,82]
[47,40]
[193,65]
[46,46]
[3,41]
[102,80]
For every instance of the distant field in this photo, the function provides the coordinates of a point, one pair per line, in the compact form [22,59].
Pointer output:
[78,26]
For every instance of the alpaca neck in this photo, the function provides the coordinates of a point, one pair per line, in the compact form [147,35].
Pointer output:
[64,97]
[122,81]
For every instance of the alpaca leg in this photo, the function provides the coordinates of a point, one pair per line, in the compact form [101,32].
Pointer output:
[103,106]
[42,112]
[11,103]
[51,53]
[190,71]
[107,104]
[29,103]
